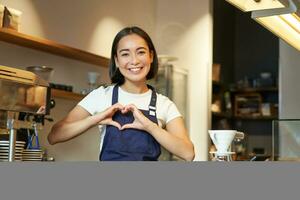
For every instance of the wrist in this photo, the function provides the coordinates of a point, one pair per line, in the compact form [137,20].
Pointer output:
[95,119]
[150,127]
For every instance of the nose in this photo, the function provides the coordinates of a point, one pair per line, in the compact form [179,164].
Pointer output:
[134,59]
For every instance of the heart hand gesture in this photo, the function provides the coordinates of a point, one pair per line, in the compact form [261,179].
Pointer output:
[140,121]
[106,116]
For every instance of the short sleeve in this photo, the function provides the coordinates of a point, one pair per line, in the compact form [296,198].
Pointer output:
[167,110]
[173,112]
[95,101]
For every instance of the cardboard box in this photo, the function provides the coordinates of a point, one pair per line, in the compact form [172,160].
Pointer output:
[216,71]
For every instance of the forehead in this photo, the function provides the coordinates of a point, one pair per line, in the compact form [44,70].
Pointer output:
[132,41]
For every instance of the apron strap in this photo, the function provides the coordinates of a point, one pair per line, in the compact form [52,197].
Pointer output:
[152,105]
[115,94]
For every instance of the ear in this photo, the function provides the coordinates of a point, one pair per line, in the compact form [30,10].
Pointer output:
[116,61]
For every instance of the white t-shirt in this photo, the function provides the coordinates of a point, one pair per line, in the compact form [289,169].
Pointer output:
[101,98]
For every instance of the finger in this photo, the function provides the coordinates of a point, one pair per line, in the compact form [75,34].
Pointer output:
[125,110]
[115,108]
[118,105]
[127,126]
[116,124]
[130,107]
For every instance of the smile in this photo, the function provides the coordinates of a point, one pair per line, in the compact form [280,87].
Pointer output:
[135,69]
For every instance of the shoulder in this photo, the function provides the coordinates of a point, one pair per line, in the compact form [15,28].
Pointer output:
[97,100]
[166,109]
[163,100]
[101,91]
[104,90]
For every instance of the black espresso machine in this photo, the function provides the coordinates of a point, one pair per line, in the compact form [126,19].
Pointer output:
[21,93]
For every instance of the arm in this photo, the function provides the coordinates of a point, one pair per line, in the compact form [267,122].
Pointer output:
[174,138]
[78,121]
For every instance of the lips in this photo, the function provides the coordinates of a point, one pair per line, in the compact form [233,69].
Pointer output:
[135,69]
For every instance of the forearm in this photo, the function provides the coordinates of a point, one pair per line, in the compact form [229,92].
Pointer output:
[64,131]
[180,147]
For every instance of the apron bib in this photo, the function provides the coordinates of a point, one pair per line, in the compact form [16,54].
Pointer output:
[130,144]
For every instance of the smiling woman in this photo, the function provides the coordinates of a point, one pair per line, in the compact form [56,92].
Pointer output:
[134,120]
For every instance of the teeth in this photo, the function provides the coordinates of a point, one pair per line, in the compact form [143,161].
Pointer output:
[135,69]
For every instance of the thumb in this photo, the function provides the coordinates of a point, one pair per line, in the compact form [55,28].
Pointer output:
[116,124]
[127,126]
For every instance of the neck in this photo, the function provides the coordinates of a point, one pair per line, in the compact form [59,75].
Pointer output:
[136,88]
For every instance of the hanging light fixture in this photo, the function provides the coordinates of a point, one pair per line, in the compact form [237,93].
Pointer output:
[251,5]
[283,20]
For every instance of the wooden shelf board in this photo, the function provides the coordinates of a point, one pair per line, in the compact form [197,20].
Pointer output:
[222,114]
[66,95]
[256,117]
[227,115]
[266,89]
[14,37]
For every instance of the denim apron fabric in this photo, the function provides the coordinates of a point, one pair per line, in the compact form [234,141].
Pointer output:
[130,144]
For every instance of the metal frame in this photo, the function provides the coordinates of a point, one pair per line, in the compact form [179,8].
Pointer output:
[292,8]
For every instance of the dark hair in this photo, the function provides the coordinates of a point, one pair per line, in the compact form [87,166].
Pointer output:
[114,72]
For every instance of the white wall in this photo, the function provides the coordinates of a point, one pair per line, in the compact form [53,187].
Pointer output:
[289,86]
[179,28]
[184,30]
[289,101]
[89,25]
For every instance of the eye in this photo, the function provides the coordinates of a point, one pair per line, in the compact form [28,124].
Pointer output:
[141,52]
[124,54]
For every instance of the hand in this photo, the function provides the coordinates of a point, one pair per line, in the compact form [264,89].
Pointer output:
[106,116]
[140,120]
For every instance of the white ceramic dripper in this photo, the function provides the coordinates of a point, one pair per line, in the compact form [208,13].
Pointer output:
[222,139]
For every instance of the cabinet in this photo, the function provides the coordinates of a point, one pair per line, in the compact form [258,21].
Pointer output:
[250,110]
[255,103]
[14,37]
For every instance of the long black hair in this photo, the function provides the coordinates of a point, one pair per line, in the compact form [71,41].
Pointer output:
[114,72]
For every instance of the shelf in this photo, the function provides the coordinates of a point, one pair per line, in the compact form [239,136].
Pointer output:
[256,117]
[266,89]
[14,37]
[229,116]
[66,95]
[222,114]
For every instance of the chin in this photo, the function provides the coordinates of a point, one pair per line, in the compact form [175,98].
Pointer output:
[136,79]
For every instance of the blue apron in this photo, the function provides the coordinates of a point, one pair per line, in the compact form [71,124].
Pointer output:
[130,144]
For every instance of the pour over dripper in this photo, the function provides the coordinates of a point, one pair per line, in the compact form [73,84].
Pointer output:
[222,139]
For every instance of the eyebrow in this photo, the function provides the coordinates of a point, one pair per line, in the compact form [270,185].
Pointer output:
[136,49]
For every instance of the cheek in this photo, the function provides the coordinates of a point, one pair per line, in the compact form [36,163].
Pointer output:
[123,62]
[147,60]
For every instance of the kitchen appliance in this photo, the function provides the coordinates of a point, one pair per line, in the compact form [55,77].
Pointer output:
[22,93]
[43,72]
[222,140]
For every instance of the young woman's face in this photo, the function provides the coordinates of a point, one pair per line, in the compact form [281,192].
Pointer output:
[133,58]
